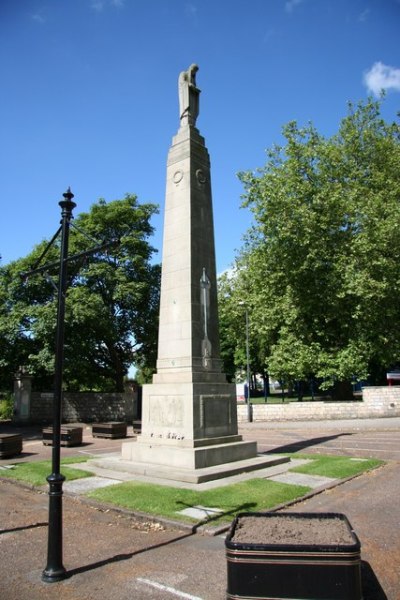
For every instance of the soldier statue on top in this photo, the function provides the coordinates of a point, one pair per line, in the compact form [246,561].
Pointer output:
[188,96]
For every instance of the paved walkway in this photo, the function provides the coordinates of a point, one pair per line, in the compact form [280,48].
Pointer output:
[109,554]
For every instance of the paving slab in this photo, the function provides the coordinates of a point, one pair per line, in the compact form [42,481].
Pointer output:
[88,484]
[312,481]
[200,512]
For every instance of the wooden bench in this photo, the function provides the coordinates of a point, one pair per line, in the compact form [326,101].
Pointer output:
[10,444]
[69,436]
[112,430]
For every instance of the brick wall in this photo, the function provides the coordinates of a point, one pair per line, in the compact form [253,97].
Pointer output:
[85,407]
[376,402]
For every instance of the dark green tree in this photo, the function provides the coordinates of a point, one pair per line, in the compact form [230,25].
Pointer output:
[322,263]
[112,302]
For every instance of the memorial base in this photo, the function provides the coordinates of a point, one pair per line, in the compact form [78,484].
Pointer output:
[178,475]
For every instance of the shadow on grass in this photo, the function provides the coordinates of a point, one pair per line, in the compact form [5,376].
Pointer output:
[301,445]
[246,507]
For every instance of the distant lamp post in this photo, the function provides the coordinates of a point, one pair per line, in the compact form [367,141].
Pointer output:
[247,395]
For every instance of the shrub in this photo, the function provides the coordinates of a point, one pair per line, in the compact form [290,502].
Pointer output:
[6,407]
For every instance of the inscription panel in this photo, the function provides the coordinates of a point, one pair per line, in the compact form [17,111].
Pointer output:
[215,410]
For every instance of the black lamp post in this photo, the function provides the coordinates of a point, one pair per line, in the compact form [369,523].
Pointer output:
[55,570]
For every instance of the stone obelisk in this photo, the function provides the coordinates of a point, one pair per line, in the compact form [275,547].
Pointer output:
[189,415]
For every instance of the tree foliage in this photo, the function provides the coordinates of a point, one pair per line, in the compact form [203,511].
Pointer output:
[235,317]
[321,265]
[111,307]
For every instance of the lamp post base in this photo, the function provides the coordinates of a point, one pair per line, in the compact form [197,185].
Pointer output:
[54,575]
[55,570]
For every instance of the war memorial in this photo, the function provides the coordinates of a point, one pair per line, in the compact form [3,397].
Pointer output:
[189,413]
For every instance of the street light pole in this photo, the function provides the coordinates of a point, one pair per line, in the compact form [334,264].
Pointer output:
[249,418]
[249,415]
[55,570]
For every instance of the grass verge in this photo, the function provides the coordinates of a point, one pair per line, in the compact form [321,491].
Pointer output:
[163,501]
[251,495]
[35,473]
[337,467]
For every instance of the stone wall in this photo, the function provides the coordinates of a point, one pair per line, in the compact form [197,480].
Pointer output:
[88,407]
[85,407]
[376,402]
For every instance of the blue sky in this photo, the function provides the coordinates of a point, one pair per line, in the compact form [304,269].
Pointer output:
[89,96]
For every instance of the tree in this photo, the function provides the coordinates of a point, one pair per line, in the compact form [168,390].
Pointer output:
[112,302]
[234,302]
[322,261]
[229,327]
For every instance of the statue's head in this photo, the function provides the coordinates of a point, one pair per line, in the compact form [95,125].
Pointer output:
[193,70]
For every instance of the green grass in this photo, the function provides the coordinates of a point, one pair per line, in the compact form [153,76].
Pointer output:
[337,467]
[251,495]
[35,473]
[163,501]
[272,399]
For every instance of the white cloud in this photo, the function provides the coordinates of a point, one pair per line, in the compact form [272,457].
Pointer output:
[230,273]
[364,15]
[268,35]
[191,9]
[38,18]
[100,5]
[290,5]
[382,77]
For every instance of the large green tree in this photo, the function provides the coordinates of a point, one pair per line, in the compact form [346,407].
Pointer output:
[111,308]
[321,266]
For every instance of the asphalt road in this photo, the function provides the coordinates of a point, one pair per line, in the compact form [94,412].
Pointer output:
[109,555]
